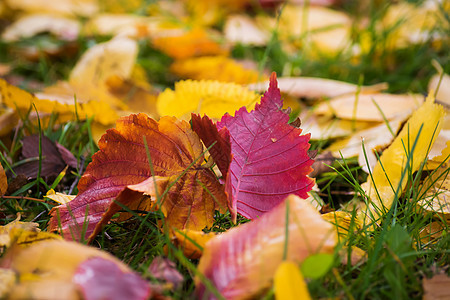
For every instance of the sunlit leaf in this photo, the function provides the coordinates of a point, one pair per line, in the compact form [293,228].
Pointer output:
[61,7]
[289,283]
[407,152]
[242,261]
[370,107]
[212,98]
[241,29]
[59,197]
[270,159]
[220,68]
[62,27]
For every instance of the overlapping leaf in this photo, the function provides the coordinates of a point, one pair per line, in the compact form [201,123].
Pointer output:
[122,163]
[270,158]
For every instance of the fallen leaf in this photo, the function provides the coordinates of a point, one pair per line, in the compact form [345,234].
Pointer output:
[441,87]
[321,164]
[436,288]
[98,278]
[115,57]
[241,29]
[3,181]
[317,30]
[219,141]
[432,232]
[289,283]
[220,68]
[52,163]
[23,234]
[164,269]
[121,171]
[420,131]
[317,265]
[365,143]
[208,97]
[312,87]
[190,43]
[62,7]
[270,158]
[63,28]
[327,127]
[362,107]
[242,261]
[46,270]
[59,197]
[192,242]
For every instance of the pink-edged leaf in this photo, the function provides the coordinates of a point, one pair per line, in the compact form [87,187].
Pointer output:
[241,262]
[121,163]
[220,141]
[98,279]
[270,157]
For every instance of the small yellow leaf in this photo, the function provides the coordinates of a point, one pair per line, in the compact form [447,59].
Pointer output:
[289,283]
[59,197]
[421,130]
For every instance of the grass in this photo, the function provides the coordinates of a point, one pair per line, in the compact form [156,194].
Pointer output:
[397,259]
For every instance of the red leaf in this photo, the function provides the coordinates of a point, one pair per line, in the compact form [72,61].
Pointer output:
[98,278]
[121,163]
[221,150]
[270,157]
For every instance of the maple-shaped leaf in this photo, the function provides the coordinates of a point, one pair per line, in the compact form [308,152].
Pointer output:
[120,170]
[270,157]
[219,141]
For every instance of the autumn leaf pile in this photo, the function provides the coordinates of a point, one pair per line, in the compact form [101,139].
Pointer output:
[150,150]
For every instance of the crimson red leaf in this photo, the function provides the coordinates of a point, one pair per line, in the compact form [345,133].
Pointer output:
[221,149]
[270,157]
[98,279]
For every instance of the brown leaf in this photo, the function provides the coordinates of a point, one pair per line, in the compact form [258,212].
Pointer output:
[436,288]
[3,181]
[52,163]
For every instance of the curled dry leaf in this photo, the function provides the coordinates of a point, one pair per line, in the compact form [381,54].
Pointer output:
[64,28]
[120,171]
[311,87]
[270,157]
[420,131]
[390,105]
[242,261]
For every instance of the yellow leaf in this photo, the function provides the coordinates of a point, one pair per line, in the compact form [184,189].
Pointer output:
[195,42]
[388,173]
[205,97]
[219,68]
[115,57]
[59,197]
[23,234]
[289,283]
[7,281]
[192,242]
[343,222]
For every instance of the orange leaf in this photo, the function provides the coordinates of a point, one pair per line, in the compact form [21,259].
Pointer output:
[120,170]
